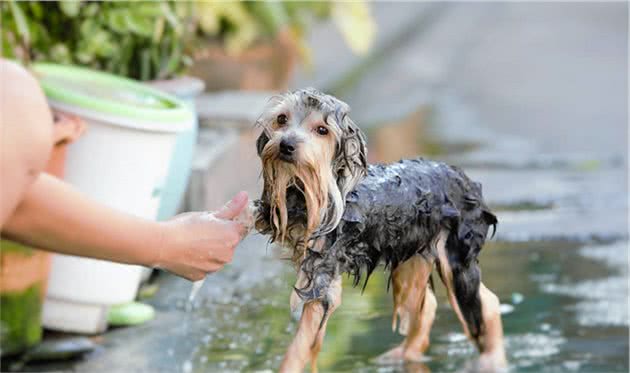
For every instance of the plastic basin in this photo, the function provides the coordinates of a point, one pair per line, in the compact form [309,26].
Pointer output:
[121,161]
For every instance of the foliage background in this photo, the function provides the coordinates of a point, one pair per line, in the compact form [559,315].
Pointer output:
[155,40]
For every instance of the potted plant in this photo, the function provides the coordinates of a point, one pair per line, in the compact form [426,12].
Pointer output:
[256,44]
[24,270]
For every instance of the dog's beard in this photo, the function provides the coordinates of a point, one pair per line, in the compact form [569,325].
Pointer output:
[321,197]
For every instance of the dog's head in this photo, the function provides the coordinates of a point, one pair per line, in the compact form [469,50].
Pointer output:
[308,145]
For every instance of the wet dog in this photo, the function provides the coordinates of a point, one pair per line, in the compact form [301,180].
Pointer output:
[337,215]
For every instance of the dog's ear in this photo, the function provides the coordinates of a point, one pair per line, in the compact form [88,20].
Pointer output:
[263,139]
[490,219]
[350,164]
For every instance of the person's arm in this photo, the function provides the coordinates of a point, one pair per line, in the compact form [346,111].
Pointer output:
[54,216]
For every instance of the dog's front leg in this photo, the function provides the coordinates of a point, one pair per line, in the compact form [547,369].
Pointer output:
[296,303]
[311,329]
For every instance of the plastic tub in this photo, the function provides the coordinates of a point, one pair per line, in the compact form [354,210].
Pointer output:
[121,161]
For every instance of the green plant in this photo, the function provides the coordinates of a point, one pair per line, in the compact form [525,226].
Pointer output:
[141,40]
[155,39]
[241,24]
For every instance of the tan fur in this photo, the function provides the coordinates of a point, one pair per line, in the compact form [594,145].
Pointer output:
[312,174]
[491,341]
[414,309]
[309,337]
[325,166]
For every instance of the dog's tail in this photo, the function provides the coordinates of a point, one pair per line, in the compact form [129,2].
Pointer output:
[464,242]
[466,281]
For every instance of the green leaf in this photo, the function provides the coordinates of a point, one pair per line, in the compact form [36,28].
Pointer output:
[60,53]
[91,9]
[83,56]
[102,44]
[20,22]
[145,64]
[88,27]
[139,24]
[155,58]
[36,9]
[173,61]
[7,46]
[158,30]
[208,17]
[272,14]
[170,16]
[125,53]
[356,25]
[70,7]
[40,38]
[116,21]
[146,8]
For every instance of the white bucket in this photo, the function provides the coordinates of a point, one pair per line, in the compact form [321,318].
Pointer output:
[121,162]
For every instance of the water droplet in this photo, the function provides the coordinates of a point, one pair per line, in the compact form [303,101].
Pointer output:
[187,367]
[517,298]
[572,365]
[545,327]
[506,308]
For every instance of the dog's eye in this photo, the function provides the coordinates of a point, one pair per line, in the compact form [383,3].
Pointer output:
[321,130]
[282,119]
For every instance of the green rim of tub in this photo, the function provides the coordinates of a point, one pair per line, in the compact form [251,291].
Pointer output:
[110,95]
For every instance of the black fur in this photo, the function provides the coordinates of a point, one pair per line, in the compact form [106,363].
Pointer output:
[395,212]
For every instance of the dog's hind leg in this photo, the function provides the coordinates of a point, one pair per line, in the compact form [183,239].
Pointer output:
[311,329]
[493,352]
[478,312]
[414,309]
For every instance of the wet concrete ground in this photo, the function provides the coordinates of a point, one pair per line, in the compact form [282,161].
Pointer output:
[530,99]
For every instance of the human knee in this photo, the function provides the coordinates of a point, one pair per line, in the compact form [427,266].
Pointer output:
[27,134]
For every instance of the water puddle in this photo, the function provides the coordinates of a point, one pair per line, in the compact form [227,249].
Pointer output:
[554,321]
[563,293]
[561,298]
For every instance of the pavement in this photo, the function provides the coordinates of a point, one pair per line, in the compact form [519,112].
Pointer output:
[531,99]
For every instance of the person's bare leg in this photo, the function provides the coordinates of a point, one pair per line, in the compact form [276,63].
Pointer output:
[490,341]
[26,135]
[414,309]
[309,337]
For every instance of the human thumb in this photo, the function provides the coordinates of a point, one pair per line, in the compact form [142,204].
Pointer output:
[233,207]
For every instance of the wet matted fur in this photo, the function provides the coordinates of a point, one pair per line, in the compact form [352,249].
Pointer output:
[337,214]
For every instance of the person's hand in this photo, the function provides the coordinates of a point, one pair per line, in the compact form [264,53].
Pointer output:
[198,243]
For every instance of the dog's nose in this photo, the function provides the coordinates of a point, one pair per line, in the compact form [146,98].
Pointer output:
[287,147]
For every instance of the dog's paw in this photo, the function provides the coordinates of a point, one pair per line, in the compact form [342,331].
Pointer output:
[247,217]
[400,355]
[391,357]
[493,362]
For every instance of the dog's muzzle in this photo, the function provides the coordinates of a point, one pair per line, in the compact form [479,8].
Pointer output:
[287,150]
